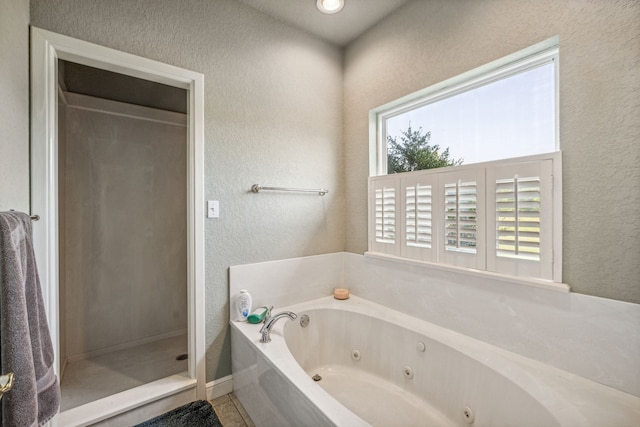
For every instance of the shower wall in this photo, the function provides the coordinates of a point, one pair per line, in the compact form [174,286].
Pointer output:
[62,224]
[125,254]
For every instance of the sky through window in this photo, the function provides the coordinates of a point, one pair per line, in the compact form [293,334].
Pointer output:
[511,117]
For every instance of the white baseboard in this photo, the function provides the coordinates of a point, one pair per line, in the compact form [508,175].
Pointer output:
[219,387]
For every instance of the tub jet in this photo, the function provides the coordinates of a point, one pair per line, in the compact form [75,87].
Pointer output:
[316,377]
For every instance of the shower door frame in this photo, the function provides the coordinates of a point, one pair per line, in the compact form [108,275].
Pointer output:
[46,48]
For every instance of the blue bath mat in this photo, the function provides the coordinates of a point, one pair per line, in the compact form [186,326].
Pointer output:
[199,413]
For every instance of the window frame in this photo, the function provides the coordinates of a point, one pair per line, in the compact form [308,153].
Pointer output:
[526,59]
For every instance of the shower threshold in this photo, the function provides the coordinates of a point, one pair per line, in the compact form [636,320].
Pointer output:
[95,378]
[132,406]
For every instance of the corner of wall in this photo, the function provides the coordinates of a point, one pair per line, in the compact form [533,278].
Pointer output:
[14,108]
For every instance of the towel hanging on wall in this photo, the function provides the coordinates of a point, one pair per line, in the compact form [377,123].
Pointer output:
[25,343]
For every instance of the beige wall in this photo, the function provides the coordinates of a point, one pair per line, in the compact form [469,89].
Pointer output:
[273,116]
[426,42]
[14,105]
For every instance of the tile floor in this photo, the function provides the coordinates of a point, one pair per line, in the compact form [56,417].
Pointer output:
[230,411]
[87,380]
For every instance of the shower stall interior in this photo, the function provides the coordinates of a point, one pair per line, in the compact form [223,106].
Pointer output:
[122,162]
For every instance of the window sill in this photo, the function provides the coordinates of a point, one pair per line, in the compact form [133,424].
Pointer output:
[538,283]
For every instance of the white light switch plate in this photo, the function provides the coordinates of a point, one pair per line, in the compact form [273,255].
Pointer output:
[213,209]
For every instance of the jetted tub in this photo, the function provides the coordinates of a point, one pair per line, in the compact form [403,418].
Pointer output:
[379,367]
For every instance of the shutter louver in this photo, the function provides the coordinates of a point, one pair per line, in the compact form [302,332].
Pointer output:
[460,216]
[518,218]
[418,207]
[385,217]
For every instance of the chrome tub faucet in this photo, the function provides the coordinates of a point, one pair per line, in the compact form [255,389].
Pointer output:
[268,324]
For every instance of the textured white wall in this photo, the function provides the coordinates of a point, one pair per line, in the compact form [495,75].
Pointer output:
[14,105]
[273,116]
[426,42]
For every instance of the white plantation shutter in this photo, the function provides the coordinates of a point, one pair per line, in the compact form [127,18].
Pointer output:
[518,217]
[419,203]
[385,215]
[501,217]
[460,216]
[463,216]
[522,203]
[418,216]
[384,209]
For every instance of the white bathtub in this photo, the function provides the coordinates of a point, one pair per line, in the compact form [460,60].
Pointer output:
[382,367]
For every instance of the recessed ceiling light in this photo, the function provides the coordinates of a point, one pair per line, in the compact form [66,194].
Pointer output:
[330,6]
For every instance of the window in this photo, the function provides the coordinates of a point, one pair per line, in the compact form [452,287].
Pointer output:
[505,109]
[498,211]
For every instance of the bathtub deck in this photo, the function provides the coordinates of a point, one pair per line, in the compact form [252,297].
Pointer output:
[377,401]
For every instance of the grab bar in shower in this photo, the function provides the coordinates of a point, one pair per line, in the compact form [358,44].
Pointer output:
[256,188]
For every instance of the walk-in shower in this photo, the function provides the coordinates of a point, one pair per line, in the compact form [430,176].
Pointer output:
[122,185]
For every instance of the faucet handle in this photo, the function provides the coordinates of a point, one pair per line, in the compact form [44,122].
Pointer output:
[267,316]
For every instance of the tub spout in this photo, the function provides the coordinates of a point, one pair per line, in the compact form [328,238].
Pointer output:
[268,325]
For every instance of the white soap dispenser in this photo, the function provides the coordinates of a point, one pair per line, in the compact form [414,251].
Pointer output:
[243,306]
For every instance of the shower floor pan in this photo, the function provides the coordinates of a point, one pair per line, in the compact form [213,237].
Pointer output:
[91,379]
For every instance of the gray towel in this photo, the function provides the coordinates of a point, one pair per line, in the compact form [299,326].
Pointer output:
[25,343]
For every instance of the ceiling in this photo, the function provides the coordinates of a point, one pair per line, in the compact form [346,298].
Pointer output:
[355,18]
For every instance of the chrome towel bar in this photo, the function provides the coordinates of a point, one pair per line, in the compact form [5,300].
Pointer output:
[256,188]
[33,217]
